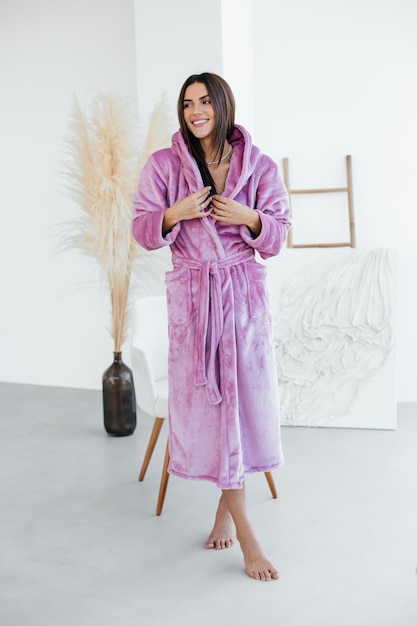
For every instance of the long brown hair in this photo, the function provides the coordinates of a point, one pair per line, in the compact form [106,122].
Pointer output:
[223,103]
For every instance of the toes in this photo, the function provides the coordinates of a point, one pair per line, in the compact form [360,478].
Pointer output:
[264,575]
[220,544]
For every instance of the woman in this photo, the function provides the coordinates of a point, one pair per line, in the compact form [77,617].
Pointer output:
[215,200]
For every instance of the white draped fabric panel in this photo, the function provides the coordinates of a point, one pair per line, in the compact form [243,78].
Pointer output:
[334,332]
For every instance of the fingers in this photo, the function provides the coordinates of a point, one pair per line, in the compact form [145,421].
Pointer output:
[220,206]
[230,211]
[220,203]
[203,205]
[202,202]
[201,195]
[204,208]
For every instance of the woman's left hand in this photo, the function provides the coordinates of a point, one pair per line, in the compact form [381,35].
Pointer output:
[232,212]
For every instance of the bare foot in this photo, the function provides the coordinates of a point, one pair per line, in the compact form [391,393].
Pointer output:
[260,568]
[256,564]
[222,535]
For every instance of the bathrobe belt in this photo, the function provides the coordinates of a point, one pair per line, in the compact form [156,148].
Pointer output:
[210,309]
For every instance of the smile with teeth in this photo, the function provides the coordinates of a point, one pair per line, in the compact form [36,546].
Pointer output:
[199,122]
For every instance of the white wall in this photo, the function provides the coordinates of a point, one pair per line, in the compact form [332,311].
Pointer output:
[238,57]
[54,312]
[337,77]
[173,41]
[328,78]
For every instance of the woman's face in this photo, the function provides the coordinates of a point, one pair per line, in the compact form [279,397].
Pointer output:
[198,111]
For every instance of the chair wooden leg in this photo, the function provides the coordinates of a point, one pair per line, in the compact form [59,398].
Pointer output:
[164,482]
[157,425]
[271,484]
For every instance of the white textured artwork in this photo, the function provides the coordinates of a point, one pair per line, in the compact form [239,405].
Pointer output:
[333,327]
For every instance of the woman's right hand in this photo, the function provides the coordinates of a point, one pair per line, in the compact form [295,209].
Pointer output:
[189,208]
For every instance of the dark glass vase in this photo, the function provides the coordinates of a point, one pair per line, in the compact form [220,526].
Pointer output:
[119,400]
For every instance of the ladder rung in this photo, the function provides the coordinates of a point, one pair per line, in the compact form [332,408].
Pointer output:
[322,245]
[330,190]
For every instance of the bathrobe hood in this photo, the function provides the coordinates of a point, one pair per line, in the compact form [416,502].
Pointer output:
[245,158]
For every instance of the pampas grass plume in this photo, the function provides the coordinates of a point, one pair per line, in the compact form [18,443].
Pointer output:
[102,170]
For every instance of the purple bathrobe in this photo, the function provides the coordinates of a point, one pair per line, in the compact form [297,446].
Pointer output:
[223,391]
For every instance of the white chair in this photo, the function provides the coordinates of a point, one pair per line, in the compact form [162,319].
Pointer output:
[149,354]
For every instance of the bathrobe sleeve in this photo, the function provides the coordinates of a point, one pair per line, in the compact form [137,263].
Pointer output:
[273,207]
[150,202]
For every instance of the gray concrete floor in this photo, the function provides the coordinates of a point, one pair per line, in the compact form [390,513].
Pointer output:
[81,545]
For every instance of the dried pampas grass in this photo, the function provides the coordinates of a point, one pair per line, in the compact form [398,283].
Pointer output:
[102,170]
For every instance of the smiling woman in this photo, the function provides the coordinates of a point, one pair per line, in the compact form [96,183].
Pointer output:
[199,118]
[215,199]
[206,113]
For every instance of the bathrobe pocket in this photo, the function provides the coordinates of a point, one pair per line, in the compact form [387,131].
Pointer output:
[178,284]
[259,306]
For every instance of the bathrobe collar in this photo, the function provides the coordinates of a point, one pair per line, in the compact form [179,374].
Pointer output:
[244,160]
